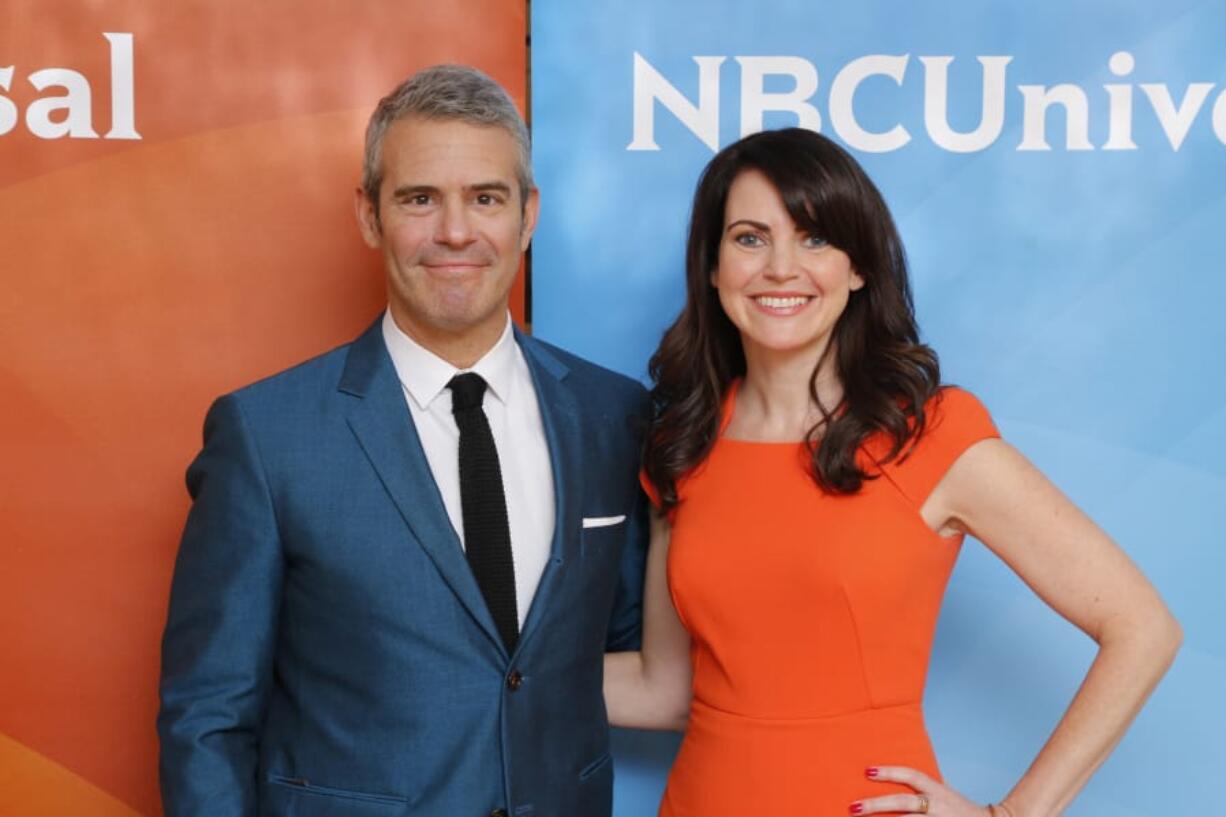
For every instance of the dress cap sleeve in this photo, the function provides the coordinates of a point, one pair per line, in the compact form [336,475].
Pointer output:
[955,420]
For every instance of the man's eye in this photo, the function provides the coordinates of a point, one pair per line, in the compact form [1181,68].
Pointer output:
[486,199]
[420,200]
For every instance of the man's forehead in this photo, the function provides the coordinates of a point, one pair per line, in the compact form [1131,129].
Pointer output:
[417,132]
[454,149]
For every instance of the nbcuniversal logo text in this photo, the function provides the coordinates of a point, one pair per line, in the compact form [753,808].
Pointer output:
[1177,117]
[65,108]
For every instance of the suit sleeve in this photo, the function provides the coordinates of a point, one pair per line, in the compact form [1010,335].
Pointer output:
[626,623]
[221,628]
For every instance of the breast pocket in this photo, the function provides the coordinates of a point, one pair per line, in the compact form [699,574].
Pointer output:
[602,537]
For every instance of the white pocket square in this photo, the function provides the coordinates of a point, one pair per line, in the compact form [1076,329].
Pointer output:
[602,521]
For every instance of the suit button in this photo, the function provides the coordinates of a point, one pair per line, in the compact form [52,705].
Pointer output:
[514,680]
[498,812]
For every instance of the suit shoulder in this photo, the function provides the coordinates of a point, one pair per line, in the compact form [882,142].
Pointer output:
[282,408]
[308,377]
[599,382]
[306,391]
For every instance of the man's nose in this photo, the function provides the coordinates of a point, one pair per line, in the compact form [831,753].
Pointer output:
[454,226]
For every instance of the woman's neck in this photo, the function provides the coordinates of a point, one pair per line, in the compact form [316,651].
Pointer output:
[773,403]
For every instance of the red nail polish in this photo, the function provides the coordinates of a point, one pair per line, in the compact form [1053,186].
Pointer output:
[856,808]
[871,771]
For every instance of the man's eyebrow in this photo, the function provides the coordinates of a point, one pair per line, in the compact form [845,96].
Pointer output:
[491,187]
[410,190]
[757,225]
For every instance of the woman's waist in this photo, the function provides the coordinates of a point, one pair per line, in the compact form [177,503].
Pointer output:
[892,734]
[812,765]
[816,715]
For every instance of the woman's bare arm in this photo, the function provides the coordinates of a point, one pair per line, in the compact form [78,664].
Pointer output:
[650,689]
[993,492]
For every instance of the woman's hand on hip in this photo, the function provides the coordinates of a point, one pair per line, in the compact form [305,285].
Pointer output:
[929,796]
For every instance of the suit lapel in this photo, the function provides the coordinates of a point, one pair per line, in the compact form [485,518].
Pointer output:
[381,421]
[560,416]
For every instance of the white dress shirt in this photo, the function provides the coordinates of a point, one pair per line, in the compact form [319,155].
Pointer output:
[515,420]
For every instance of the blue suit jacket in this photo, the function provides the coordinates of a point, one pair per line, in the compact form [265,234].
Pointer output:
[328,651]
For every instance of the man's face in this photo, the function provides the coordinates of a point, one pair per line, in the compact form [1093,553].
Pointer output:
[451,227]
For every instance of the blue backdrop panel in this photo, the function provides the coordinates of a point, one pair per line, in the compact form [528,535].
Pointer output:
[1056,170]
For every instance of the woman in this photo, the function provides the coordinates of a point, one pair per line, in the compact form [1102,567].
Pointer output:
[813,482]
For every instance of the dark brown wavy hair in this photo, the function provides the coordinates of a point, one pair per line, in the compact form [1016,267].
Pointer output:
[886,373]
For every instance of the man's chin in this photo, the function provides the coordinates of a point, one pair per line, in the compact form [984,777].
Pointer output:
[461,321]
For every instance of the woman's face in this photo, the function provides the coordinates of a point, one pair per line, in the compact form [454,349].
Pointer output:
[784,289]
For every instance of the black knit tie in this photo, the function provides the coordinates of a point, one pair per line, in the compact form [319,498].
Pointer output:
[487,535]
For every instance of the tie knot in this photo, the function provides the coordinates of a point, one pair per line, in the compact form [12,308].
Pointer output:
[467,391]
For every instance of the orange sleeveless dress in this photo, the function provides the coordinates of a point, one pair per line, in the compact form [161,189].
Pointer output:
[812,618]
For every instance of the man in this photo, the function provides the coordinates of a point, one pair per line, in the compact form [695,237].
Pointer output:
[405,558]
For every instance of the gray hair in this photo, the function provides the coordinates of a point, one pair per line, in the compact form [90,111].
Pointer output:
[456,92]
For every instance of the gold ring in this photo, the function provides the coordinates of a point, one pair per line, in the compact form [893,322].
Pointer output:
[923,804]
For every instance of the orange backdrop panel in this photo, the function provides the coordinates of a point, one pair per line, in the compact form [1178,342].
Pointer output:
[138,280]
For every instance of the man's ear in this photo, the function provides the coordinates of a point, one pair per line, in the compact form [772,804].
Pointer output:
[368,219]
[532,210]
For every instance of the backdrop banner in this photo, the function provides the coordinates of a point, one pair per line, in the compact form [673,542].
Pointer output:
[176,220]
[1056,172]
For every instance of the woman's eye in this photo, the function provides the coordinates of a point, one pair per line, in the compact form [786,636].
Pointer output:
[814,241]
[748,240]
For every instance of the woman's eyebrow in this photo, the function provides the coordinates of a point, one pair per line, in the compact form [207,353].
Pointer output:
[757,225]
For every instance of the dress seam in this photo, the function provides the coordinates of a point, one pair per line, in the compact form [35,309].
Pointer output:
[855,629]
[851,713]
[915,508]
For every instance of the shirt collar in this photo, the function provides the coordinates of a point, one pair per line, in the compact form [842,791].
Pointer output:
[425,375]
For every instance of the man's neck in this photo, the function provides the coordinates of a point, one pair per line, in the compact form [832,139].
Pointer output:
[461,348]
